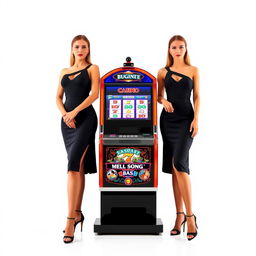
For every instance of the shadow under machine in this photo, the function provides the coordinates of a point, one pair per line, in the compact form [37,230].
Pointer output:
[128,153]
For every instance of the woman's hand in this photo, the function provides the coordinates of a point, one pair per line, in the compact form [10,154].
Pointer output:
[69,116]
[167,105]
[71,124]
[194,127]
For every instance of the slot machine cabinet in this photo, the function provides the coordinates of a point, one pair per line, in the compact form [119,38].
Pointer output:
[128,156]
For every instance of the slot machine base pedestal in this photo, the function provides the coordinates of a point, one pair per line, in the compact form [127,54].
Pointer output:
[128,212]
[128,229]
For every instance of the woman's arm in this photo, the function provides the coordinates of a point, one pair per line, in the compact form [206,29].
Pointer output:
[160,98]
[95,78]
[59,100]
[59,96]
[196,95]
[196,100]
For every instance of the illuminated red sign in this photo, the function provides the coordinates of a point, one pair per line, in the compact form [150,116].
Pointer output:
[128,90]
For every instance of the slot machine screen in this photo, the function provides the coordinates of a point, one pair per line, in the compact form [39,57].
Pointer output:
[128,103]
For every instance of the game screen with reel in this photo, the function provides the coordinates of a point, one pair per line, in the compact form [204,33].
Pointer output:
[128,102]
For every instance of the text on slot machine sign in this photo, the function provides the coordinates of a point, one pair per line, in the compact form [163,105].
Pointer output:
[128,90]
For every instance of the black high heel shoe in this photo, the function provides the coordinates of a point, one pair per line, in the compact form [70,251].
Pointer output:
[76,222]
[81,220]
[183,223]
[194,234]
[70,237]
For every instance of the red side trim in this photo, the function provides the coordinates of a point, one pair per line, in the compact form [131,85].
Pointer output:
[155,161]
[102,102]
[154,103]
[101,164]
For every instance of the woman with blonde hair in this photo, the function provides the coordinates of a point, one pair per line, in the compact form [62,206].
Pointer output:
[179,125]
[80,83]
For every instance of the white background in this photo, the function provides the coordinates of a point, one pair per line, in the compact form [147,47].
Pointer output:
[35,46]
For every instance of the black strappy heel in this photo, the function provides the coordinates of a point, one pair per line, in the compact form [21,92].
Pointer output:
[183,223]
[194,234]
[76,222]
[81,220]
[71,237]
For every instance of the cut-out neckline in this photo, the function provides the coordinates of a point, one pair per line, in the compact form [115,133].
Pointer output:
[180,75]
[74,76]
[70,74]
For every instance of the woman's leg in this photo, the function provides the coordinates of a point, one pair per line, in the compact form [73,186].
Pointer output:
[184,185]
[81,186]
[177,193]
[73,192]
[75,195]
[178,202]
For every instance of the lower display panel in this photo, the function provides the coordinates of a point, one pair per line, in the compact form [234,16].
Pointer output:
[128,166]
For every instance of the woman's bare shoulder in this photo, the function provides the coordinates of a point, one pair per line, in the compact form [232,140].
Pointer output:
[93,67]
[64,71]
[194,69]
[162,72]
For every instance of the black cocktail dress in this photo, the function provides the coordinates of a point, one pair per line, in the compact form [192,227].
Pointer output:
[175,126]
[77,139]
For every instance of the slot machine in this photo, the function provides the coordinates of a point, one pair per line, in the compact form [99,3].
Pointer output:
[128,154]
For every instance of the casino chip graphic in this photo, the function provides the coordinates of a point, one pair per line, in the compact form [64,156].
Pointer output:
[112,174]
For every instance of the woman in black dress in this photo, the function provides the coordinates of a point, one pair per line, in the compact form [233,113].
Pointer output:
[179,125]
[80,83]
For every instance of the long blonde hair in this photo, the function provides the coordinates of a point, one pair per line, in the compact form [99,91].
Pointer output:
[72,57]
[169,62]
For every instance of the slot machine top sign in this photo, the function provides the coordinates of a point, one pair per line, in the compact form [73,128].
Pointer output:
[128,74]
[128,101]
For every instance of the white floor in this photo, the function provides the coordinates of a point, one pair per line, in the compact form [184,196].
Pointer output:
[46,241]
[36,233]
